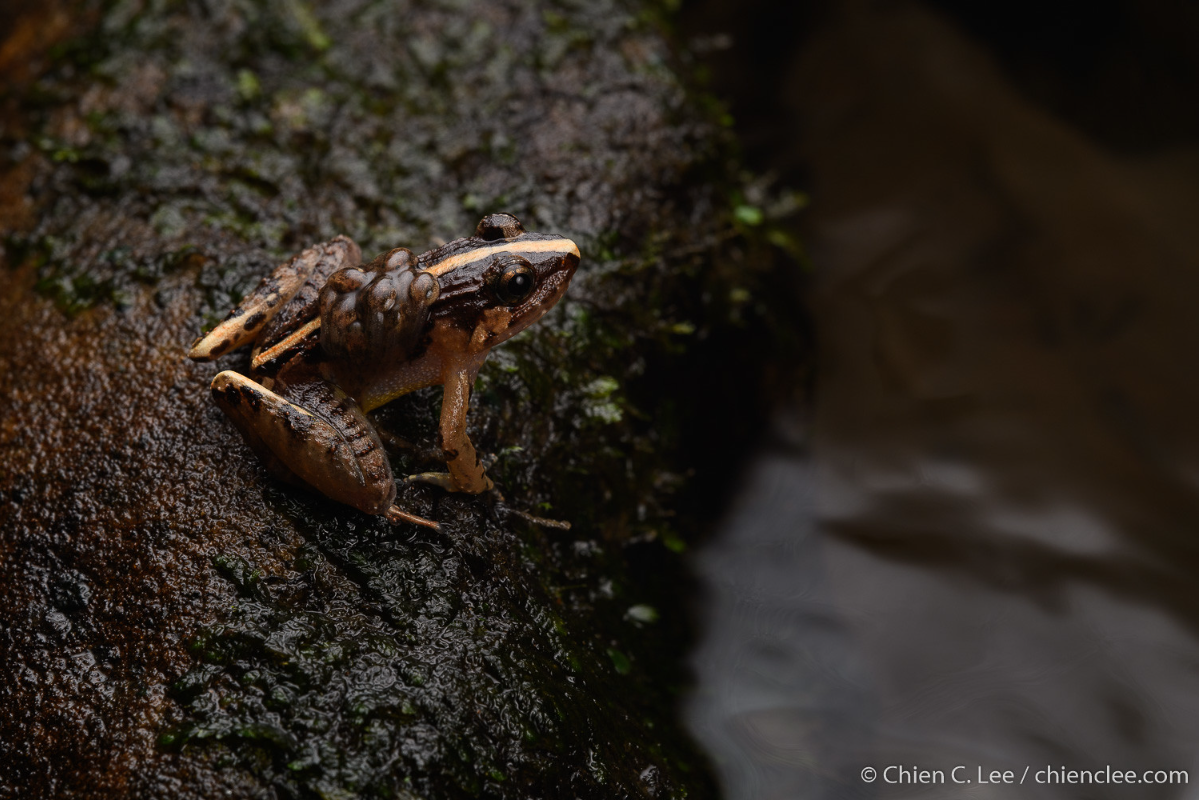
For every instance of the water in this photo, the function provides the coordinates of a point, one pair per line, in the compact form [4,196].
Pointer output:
[977,546]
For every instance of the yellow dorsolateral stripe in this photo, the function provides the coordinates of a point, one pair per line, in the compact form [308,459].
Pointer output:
[535,246]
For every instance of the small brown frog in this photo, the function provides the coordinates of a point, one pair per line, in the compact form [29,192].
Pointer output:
[335,338]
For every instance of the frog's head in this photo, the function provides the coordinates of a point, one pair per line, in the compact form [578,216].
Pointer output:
[499,281]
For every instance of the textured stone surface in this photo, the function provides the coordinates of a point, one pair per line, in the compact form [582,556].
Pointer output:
[175,623]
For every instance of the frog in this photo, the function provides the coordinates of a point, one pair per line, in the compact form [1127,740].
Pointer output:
[334,338]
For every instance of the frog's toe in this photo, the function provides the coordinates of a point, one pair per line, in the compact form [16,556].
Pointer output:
[395,515]
[446,480]
[559,524]
[443,480]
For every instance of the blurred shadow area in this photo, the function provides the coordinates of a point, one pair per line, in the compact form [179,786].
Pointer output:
[977,546]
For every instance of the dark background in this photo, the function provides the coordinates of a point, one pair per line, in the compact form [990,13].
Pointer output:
[971,539]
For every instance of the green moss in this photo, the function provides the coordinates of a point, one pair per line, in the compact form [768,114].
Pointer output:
[748,215]
[498,659]
[620,662]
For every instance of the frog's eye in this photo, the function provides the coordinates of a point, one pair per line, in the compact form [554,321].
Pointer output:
[516,282]
[499,226]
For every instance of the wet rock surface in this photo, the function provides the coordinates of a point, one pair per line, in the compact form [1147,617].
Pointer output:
[175,623]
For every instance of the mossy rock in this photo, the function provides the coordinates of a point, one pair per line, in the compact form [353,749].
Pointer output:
[181,625]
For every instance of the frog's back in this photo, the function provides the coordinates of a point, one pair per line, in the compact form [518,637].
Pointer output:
[376,313]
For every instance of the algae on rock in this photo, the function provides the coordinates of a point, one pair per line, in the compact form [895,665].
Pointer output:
[238,635]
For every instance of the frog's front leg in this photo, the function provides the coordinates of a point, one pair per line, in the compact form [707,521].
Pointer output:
[322,439]
[466,473]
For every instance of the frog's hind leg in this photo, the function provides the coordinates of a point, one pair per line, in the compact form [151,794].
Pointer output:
[323,439]
[274,292]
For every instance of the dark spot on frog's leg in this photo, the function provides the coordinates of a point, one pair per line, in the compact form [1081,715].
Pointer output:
[225,389]
[222,347]
[361,445]
[227,393]
[298,424]
[254,321]
[253,398]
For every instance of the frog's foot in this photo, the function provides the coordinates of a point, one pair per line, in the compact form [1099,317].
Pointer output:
[395,515]
[392,442]
[444,480]
[397,445]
